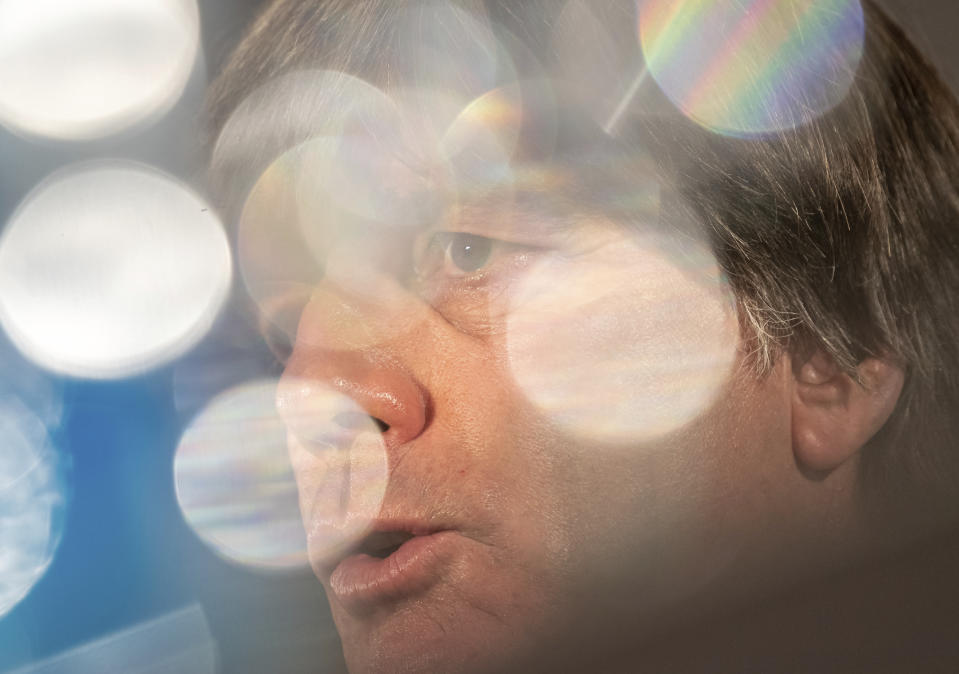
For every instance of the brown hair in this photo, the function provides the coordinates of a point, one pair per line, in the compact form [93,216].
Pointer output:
[843,235]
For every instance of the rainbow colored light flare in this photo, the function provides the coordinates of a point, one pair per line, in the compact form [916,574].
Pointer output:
[234,483]
[755,66]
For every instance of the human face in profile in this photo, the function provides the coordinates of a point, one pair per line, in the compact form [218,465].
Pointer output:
[543,434]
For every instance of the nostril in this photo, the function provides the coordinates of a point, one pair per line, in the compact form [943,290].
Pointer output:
[355,421]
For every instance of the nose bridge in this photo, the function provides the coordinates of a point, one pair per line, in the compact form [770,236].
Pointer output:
[357,336]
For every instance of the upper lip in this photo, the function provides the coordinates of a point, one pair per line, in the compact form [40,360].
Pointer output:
[385,533]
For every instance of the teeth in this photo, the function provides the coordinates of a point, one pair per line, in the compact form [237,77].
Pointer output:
[384,543]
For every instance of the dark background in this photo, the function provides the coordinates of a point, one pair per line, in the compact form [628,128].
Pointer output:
[126,555]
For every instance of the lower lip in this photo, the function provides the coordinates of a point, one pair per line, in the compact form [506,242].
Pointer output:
[361,581]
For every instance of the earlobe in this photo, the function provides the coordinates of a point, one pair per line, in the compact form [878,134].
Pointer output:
[833,415]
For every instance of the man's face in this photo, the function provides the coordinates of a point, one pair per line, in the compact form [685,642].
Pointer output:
[567,443]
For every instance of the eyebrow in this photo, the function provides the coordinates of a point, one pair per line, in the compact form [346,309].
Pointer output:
[538,208]
[553,198]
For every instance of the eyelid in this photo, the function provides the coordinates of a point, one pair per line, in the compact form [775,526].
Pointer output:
[446,238]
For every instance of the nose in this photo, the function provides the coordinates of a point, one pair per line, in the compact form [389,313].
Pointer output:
[356,341]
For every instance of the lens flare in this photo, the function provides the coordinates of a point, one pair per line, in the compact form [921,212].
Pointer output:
[626,342]
[275,261]
[754,67]
[234,482]
[325,210]
[32,501]
[481,142]
[597,66]
[340,461]
[109,269]
[291,110]
[293,235]
[449,49]
[85,69]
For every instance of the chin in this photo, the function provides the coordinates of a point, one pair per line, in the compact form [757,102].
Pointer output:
[473,618]
[431,638]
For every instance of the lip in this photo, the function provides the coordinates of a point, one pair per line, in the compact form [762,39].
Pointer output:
[361,582]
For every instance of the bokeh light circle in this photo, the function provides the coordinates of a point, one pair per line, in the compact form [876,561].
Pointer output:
[341,463]
[235,481]
[328,209]
[285,112]
[625,344]
[33,498]
[109,269]
[591,61]
[753,67]
[449,48]
[305,156]
[85,69]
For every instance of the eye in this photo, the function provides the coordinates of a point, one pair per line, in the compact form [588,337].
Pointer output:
[466,276]
[469,253]
[455,254]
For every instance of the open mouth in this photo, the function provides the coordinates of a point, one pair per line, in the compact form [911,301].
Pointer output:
[382,544]
[391,565]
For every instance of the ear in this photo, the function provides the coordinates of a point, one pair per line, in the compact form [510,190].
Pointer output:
[833,415]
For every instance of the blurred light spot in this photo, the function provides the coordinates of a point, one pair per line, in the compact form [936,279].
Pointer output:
[482,141]
[178,642]
[446,48]
[596,65]
[345,203]
[291,110]
[311,156]
[32,501]
[625,343]
[341,466]
[234,482]
[330,208]
[85,69]
[109,269]
[276,260]
[744,68]
[236,486]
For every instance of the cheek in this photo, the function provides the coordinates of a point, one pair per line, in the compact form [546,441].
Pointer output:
[678,519]
[630,357]
[622,346]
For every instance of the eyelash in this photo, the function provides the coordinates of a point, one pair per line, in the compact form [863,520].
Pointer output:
[436,276]
[453,254]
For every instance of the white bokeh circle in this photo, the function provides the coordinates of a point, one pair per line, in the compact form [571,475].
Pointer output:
[626,344]
[85,69]
[235,479]
[111,268]
[234,482]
